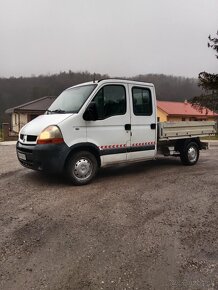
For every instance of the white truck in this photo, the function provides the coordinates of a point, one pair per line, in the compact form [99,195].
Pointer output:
[105,122]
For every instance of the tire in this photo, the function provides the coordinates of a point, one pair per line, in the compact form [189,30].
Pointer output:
[189,153]
[81,168]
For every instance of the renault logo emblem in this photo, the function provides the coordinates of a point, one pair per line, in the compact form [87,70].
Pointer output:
[24,138]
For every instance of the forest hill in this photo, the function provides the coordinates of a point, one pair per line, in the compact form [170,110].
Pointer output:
[16,91]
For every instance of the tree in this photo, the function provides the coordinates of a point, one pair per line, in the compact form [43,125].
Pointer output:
[209,82]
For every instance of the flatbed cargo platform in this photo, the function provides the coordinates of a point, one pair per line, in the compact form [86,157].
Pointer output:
[182,130]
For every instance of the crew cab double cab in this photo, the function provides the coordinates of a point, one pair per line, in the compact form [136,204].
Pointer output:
[99,123]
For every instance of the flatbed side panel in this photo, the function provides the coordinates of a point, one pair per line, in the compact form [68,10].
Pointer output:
[179,130]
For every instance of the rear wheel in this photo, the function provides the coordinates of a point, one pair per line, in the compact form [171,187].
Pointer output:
[189,153]
[82,167]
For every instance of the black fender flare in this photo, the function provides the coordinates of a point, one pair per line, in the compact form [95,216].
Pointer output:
[87,146]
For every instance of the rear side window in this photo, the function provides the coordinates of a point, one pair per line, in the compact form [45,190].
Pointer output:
[110,101]
[142,101]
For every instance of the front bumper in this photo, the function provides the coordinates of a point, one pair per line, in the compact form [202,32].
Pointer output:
[44,157]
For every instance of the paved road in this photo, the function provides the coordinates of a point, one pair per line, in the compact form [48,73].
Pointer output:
[152,225]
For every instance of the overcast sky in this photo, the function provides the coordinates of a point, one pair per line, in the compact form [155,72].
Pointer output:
[118,37]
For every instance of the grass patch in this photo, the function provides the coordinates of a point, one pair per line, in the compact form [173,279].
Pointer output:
[215,137]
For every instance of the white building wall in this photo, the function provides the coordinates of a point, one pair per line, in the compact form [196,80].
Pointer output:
[18,121]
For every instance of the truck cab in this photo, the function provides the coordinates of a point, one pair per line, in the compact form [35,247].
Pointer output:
[91,125]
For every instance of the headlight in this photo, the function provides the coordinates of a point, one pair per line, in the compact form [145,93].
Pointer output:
[50,135]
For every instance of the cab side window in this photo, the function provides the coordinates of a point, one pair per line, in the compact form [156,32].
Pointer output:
[110,101]
[142,101]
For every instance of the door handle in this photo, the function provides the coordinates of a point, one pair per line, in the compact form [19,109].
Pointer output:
[127,127]
[153,126]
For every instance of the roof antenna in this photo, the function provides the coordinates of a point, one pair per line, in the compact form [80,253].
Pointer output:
[94,78]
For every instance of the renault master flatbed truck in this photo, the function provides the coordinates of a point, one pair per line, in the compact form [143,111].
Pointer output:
[100,123]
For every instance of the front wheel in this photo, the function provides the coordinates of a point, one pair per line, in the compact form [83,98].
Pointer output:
[82,167]
[189,153]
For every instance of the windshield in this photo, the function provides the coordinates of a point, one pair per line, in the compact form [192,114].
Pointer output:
[71,100]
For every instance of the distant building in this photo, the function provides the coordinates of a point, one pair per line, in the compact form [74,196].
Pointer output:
[182,111]
[24,113]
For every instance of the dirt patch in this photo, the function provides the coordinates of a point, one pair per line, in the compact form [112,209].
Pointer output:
[143,226]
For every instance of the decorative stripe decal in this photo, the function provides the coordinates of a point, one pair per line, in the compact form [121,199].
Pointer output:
[112,146]
[124,145]
[122,148]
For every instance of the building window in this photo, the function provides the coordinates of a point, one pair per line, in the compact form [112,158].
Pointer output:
[15,119]
[183,119]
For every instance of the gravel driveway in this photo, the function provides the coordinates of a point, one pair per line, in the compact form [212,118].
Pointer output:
[143,226]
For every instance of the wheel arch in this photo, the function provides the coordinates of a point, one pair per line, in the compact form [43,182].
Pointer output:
[180,144]
[85,146]
[189,151]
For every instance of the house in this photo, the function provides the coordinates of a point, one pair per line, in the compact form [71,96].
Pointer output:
[24,113]
[182,111]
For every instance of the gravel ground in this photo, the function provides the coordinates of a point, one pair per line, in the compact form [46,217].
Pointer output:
[143,226]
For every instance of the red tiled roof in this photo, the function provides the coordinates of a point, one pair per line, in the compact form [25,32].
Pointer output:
[185,108]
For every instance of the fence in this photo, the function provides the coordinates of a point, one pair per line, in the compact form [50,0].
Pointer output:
[5,134]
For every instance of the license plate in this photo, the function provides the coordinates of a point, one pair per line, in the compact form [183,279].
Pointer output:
[21,156]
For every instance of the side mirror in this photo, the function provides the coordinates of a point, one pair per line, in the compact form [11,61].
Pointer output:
[91,113]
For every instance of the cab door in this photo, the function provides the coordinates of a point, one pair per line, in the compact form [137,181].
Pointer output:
[110,132]
[143,122]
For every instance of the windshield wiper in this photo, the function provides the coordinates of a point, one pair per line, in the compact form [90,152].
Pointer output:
[56,111]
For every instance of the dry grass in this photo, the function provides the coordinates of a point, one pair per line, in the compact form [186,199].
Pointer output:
[215,137]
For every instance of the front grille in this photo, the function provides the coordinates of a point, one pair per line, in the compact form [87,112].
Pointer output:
[30,138]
